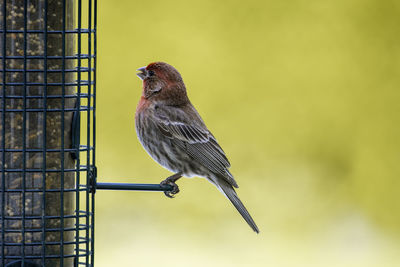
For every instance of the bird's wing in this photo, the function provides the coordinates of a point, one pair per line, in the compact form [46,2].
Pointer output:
[195,139]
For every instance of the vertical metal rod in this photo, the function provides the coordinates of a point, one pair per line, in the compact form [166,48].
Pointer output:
[24,133]
[78,154]
[44,137]
[88,147]
[94,118]
[3,122]
[62,135]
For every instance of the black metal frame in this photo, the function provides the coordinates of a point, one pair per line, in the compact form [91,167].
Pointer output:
[81,147]
[84,69]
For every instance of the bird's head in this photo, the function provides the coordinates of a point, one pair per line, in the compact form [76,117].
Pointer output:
[161,81]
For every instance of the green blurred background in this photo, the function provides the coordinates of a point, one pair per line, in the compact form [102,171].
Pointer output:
[304,98]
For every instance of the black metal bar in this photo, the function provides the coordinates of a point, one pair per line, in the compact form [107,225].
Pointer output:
[83,108]
[46,170]
[3,141]
[94,118]
[83,56]
[83,69]
[38,257]
[82,83]
[77,195]
[62,135]
[24,132]
[83,95]
[35,150]
[70,229]
[47,243]
[48,32]
[29,217]
[44,135]
[88,132]
[133,187]
[47,190]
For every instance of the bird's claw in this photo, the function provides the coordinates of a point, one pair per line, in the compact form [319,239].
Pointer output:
[175,188]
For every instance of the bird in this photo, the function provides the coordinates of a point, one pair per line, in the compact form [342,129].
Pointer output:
[172,132]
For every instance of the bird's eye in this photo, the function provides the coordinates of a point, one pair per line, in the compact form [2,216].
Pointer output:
[151,73]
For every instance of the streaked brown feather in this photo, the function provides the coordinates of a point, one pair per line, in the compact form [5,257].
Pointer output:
[195,138]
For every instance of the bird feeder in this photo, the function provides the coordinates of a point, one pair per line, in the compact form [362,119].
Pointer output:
[47,91]
[47,133]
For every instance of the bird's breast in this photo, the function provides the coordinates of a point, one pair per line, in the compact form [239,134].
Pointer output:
[142,105]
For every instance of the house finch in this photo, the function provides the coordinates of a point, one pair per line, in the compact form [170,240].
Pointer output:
[174,135]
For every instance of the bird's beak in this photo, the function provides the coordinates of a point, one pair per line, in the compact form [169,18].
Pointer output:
[142,74]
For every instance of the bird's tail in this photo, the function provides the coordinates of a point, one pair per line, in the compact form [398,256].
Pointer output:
[230,193]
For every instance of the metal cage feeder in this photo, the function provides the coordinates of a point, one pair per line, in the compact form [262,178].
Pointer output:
[47,133]
[48,60]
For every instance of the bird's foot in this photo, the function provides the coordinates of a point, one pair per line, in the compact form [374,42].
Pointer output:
[171,182]
[175,188]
